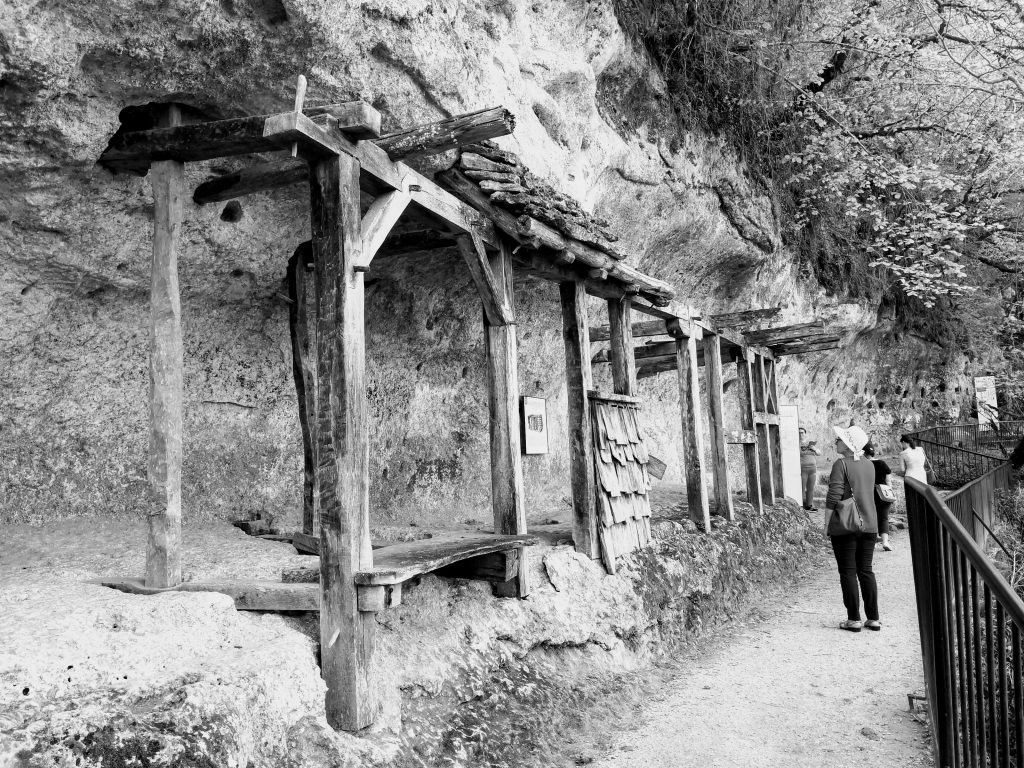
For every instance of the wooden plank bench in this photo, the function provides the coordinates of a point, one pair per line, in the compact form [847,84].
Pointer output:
[467,556]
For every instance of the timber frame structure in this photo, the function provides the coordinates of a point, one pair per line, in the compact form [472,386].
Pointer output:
[338,151]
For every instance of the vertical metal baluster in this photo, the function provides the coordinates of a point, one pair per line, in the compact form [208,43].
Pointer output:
[990,697]
[1018,695]
[1004,688]
[952,690]
[961,660]
[968,651]
[979,672]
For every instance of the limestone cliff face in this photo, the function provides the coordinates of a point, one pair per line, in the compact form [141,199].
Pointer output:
[75,246]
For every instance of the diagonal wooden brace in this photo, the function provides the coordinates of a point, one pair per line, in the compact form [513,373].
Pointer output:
[381,217]
[496,309]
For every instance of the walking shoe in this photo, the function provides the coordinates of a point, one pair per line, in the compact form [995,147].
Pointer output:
[851,626]
[873,624]
[887,547]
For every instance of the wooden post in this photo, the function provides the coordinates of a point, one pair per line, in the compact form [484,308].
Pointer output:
[745,388]
[507,499]
[346,633]
[693,434]
[764,451]
[774,430]
[304,376]
[578,381]
[166,389]
[716,424]
[620,352]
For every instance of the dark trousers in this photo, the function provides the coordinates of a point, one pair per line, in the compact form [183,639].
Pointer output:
[810,478]
[854,553]
[882,508]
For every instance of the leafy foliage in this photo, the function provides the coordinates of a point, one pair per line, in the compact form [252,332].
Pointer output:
[892,131]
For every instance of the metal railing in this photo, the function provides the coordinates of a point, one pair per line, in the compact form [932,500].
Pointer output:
[992,439]
[954,466]
[971,624]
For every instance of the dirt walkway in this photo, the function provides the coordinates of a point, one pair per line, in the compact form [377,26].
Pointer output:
[795,690]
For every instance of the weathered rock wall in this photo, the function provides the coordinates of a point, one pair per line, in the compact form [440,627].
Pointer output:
[75,246]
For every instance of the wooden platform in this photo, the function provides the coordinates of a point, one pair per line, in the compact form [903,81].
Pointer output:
[400,562]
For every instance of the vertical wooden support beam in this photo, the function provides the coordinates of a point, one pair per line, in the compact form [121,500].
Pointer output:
[507,499]
[304,376]
[774,430]
[578,381]
[620,352]
[764,450]
[745,388]
[166,388]
[716,423]
[693,434]
[342,453]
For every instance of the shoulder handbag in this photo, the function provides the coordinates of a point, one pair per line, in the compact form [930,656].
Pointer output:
[846,518]
[885,492]
[929,472]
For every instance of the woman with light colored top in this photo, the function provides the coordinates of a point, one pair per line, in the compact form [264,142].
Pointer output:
[854,475]
[912,459]
[808,467]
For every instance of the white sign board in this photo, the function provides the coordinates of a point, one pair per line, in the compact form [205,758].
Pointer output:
[789,436]
[985,398]
[535,425]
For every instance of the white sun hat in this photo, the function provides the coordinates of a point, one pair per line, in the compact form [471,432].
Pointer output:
[854,437]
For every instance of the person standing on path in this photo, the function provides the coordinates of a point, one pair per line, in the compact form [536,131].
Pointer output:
[808,467]
[912,459]
[882,505]
[854,476]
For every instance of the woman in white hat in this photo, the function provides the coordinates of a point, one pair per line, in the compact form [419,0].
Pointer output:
[853,476]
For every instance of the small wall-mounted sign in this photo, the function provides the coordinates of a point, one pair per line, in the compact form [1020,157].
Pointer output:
[534,420]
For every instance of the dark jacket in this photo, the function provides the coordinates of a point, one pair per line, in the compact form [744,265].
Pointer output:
[862,477]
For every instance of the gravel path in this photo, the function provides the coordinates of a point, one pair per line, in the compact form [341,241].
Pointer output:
[795,690]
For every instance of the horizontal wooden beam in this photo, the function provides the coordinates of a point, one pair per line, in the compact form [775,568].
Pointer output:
[649,328]
[760,417]
[204,141]
[784,333]
[250,180]
[819,344]
[248,595]
[449,133]
[745,319]
[357,119]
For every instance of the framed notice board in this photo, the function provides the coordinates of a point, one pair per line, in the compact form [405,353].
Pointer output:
[534,422]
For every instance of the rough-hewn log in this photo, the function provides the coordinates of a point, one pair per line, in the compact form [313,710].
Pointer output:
[621,347]
[784,333]
[716,425]
[135,151]
[166,389]
[649,328]
[578,382]
[448,134]
[496,307]
[508,502]
[819,344]
[693,433]
[745,319]
[304,375]
[382,215]
[346,633]
[764,449]
[251,179]
[356,119]
[745,392]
